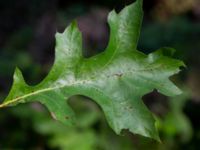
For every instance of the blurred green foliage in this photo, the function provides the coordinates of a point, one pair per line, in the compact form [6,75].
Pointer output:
[179,124]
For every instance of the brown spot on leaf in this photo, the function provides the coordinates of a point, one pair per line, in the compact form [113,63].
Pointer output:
[118,74]
[130,107]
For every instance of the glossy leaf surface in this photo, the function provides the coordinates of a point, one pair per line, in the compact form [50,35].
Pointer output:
[115,79]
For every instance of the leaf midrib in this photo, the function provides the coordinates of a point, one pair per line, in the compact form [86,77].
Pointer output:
[76,82]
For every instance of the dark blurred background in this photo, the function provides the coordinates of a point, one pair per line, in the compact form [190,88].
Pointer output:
[27,29]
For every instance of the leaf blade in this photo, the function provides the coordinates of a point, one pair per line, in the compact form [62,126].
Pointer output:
[116,79]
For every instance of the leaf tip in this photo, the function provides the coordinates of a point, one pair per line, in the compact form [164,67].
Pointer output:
[73,25]
[18,77]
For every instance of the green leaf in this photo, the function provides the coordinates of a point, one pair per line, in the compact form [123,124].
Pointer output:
[116,79]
